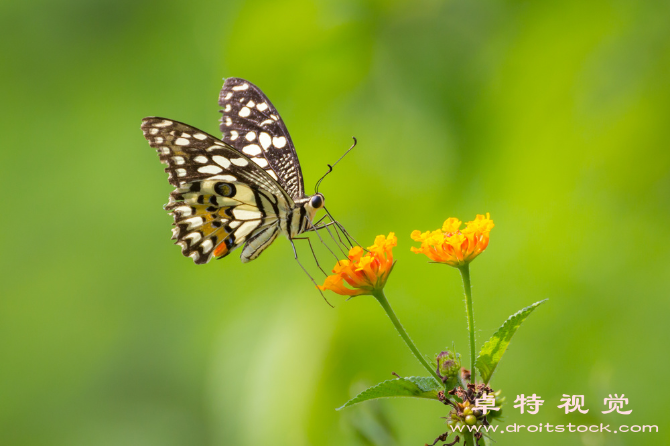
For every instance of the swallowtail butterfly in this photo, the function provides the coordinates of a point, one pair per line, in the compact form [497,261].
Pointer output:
[245,188]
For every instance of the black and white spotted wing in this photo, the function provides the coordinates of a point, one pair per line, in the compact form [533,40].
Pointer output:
[252,125]
[221,198]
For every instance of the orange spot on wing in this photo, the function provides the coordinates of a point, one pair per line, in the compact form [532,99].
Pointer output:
[221,250]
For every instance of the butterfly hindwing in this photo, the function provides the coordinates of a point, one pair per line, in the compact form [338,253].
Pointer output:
[252,125]
[213,218]
[221,198]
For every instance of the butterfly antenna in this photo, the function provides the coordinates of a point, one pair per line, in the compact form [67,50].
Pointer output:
[330,167]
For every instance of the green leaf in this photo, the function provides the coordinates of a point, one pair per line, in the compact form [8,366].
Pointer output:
[413,386]
[492,351]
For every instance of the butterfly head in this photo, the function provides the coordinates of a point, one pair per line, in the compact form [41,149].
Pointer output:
[316,201]
[306,211]
[313,204]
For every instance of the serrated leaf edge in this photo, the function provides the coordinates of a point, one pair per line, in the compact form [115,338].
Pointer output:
[408,378]
[529,309]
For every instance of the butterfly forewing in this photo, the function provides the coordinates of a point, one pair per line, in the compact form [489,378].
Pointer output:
[221,198]
[252,125]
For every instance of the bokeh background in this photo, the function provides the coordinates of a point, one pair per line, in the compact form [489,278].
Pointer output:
[552,116]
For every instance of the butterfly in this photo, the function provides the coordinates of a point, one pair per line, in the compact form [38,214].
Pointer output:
[243,189]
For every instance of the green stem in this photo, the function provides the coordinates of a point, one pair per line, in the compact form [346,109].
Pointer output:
[465,273]
[383,301]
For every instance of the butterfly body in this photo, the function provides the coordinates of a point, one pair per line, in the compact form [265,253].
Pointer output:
[246,188]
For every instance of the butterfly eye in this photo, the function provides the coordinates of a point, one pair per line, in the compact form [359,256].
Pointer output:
[317,201]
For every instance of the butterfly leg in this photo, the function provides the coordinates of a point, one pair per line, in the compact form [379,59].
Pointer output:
[319,221]
[324,243]
[295,256]
[317,226]
[348,236]
[337,233]
[313,253]
[339,245]
[338,229]
[344,231]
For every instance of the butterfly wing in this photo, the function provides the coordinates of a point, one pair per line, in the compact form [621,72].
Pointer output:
[221,198]
[252,125]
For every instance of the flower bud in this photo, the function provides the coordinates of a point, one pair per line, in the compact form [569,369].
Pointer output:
[448,365]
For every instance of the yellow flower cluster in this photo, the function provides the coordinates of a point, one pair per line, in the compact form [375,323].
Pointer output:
[365,272]
[453,245]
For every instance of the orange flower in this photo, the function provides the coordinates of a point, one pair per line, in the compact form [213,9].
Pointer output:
[452,245]
[365,272]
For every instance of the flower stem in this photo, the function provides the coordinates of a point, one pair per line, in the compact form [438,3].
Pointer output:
[383,301]
[469,439]
[465,273]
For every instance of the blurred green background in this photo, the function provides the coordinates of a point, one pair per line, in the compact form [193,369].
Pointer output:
[551,115]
